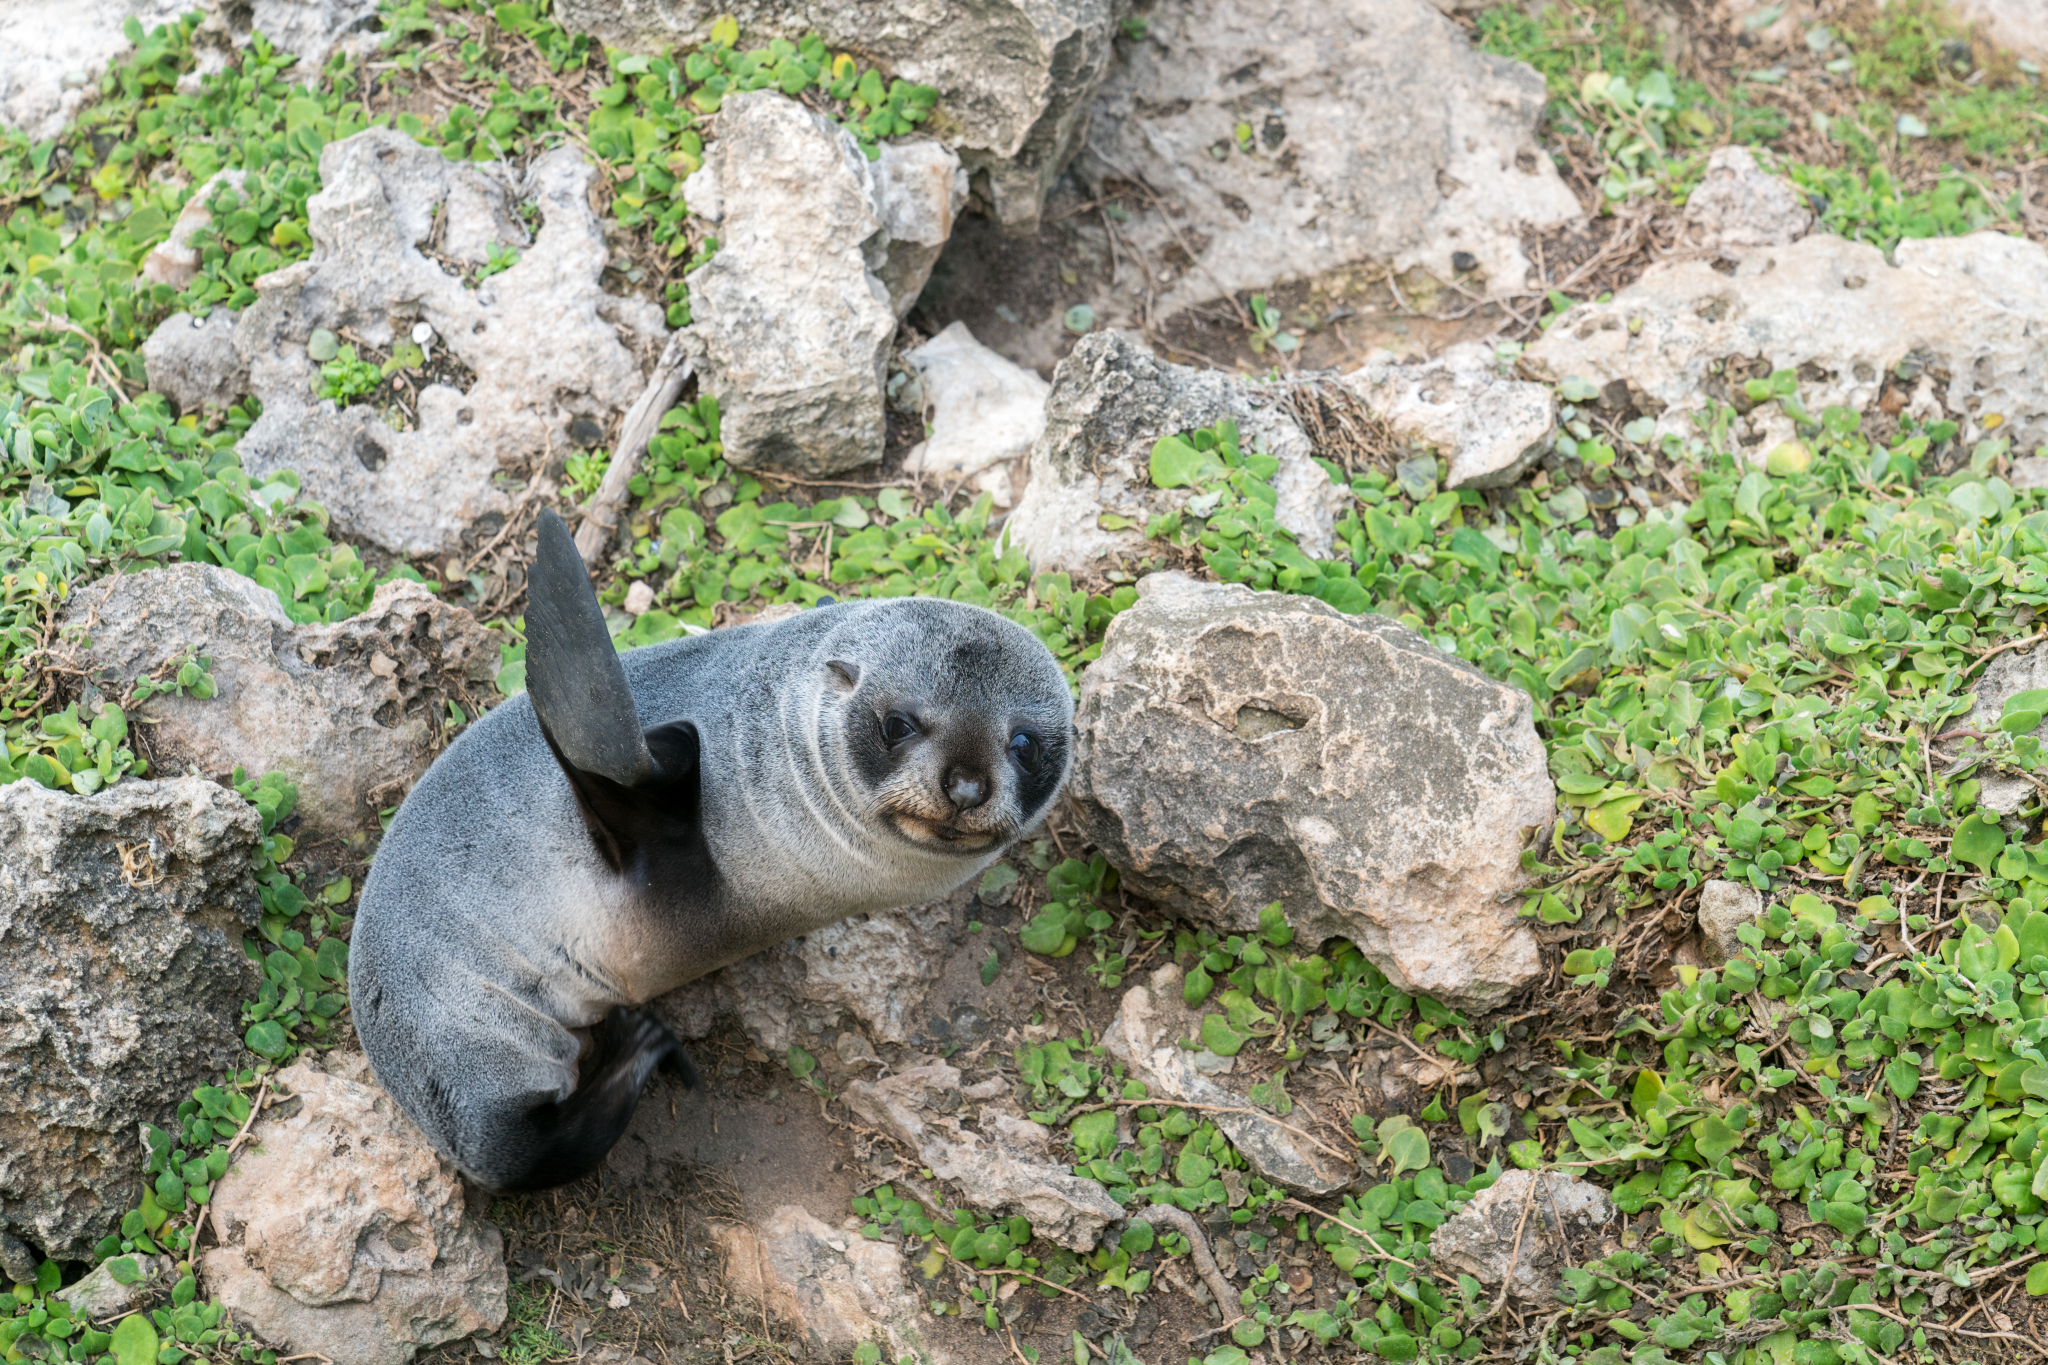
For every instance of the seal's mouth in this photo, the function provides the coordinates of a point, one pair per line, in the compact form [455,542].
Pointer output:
[941,834]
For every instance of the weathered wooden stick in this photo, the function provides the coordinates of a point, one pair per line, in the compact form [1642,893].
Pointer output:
[643,419]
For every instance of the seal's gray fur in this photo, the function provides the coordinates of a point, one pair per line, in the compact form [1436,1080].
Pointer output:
[492,923]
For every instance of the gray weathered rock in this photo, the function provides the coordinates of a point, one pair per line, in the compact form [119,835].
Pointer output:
[1014,76]
[2007,675]
[1724,908]
[351,712]
[875,967]
[1490,429]
[838,1288]
[1146,1035]
[2021,25]
[1008,1165]
[1970,311]
[193,361]
[2029,472]
[986,413]
[346,1234]
[1564,1220]
[789,325]
[2006,794]
[1739,205]
[175,260]
[52,53]
[1237,748]
[98,1295]
[545,344]
[1111,400]
[18,1262]
[918,189]
[310,29]
[1377,133]
[121,923]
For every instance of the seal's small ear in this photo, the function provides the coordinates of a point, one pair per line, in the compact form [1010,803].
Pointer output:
[845,675]
[573,673]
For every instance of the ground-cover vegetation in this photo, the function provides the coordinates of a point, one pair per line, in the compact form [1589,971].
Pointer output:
[1895,122]
[1838,1139]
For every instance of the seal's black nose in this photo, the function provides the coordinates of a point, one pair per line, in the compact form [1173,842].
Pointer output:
[966,789]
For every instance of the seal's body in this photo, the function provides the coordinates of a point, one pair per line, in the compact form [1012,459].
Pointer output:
[636,821]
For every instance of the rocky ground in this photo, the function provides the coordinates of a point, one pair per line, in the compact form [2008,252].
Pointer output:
[1542,506]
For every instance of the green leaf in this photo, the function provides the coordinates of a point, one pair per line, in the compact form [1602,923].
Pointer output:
[799,1062]
[2033,699]
[124,1270]
[1220,1038]
[1050,932]
[1273,926]
[267,1039]
[1094,1134]
[1611,820]
[1713,1137]
[135,1341]
[1407,1150]
[1176,464]
[1977,840]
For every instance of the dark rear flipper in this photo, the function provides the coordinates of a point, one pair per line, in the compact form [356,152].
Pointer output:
[553,1143]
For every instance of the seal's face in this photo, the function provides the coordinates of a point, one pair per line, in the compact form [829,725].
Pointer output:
[962,755]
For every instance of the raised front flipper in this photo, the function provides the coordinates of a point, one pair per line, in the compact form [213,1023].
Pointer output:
[573,673]
[638,792]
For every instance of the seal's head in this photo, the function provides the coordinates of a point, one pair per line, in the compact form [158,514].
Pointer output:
[956,723]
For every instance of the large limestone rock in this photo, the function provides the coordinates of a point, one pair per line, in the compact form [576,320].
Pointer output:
[838,1288]
[193,361]
[877,968]
[1111,400]
[1151,1021]
[545,345]
[1969,311]
[918,189]
[791,321]
[2021,25]
[1008,1165]
[1238,748]
[1489,428]
[309,29]
[1526,1225]
[351,712]
[1375,133]
[52,53]
[1014,76]
[1738,205]
[346,1234]
[121,923]
[987,411]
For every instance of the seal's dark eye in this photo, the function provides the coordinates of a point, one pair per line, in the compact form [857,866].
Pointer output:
[897,728]
[1026,750]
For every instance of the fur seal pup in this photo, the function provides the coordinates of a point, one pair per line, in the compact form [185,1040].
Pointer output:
[634,821]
